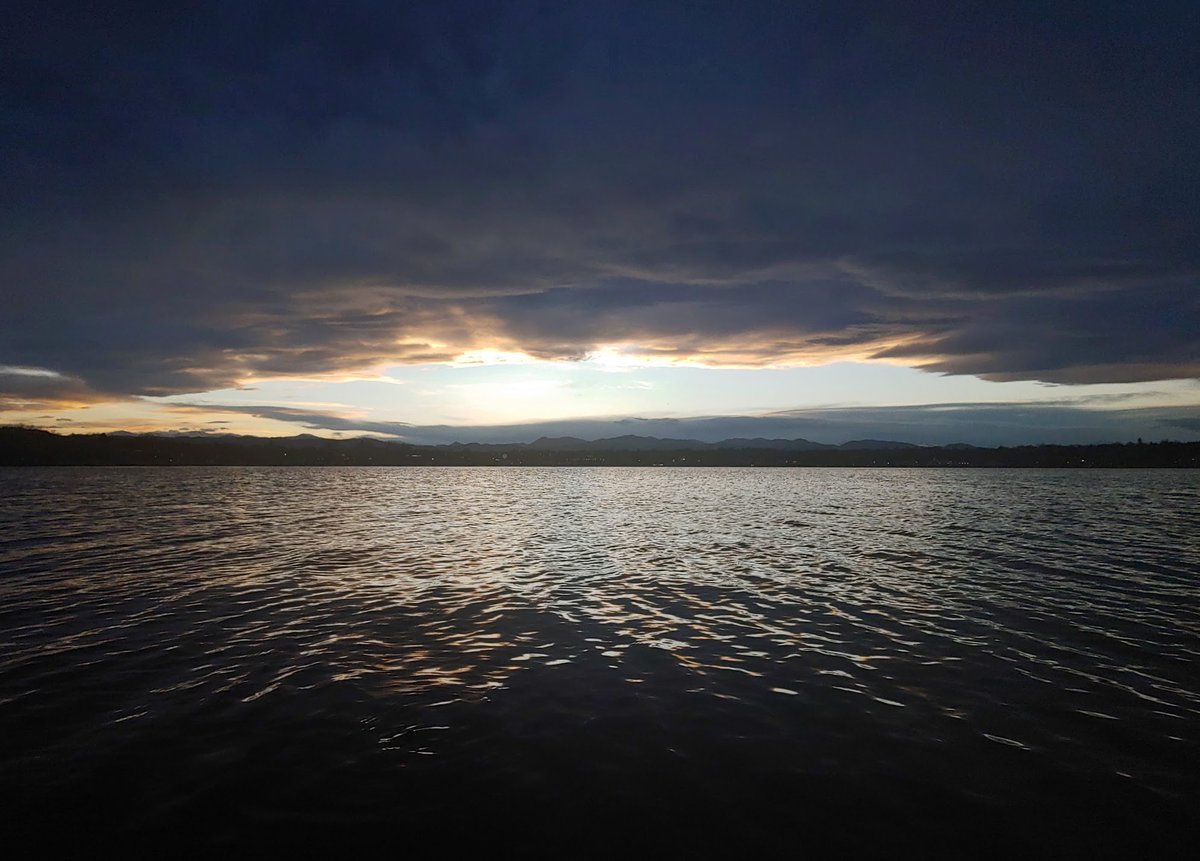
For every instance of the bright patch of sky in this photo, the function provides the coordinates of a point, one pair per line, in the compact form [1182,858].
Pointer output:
[515,391]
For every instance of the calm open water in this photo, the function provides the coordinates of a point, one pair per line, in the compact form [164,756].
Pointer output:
[793,660]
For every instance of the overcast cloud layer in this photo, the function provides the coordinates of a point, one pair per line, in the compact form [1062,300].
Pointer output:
[199,194]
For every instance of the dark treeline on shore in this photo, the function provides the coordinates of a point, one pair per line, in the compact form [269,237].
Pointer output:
[31,447]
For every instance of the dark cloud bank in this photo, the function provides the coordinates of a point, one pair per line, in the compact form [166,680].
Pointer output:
[199,192]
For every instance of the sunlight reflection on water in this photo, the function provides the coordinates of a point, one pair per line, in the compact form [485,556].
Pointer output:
[298,640]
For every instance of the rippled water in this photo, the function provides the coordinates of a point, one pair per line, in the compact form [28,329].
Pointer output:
[627,659]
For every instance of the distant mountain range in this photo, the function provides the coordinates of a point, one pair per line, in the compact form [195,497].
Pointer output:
[21,446]
[650,443]
[627,442]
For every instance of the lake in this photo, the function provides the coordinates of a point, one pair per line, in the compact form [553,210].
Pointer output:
[600,660]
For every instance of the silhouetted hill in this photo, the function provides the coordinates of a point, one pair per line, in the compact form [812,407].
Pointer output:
[643,443]
[651,443]
[30,447]
[875,445]
[560,443]
[784,444]
[616,443]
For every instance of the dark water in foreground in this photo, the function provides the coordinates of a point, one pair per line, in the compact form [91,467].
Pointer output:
[601,660]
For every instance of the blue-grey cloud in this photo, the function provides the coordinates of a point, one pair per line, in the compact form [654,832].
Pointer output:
[310,419]
[197,195]
[1190,424]
[1017,423]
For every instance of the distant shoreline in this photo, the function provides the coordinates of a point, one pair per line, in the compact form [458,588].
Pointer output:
[30,447]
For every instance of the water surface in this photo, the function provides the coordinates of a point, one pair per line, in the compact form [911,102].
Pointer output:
[617,659]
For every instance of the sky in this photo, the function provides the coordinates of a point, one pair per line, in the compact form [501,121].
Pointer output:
[930,222]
